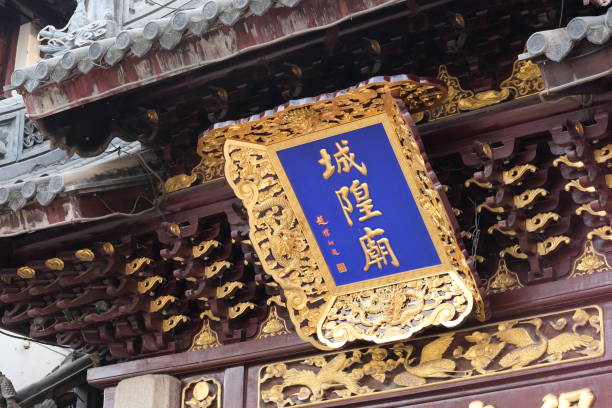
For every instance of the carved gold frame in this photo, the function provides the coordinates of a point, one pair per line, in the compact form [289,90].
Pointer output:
[324,315]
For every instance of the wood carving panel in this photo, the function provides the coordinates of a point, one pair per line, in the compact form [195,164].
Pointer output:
[489,350]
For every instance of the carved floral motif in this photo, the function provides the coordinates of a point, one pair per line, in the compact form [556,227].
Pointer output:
[589,262]
[503,279]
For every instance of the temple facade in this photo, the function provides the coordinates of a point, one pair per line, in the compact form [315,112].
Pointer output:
[274,203]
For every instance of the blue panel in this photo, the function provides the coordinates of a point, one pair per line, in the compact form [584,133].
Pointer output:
[405,234]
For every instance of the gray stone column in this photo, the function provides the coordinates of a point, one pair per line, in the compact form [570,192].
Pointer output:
[148,391]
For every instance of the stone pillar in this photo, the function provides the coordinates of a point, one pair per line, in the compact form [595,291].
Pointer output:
[148,391]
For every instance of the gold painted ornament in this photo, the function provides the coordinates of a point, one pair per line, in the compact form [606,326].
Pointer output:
[205,392]
[321,313]
[490,350]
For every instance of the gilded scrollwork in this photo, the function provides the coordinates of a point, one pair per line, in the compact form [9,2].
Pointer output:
[323,113]
[604,233]
[319,316]
[395,311]
[525,79]
[205,392]
[589,262]
[205,338]
[274,325]
[455,94]
[493,349]
[503,279]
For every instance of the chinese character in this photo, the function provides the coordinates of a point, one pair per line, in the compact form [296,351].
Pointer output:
[341,267]
[321,220]
[335,252]
[376,251]
[325,160]
[326,232]
[345,160]
[361,193]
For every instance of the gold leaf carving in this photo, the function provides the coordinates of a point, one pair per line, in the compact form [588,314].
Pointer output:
[526,79]
[483,99]
[587,208]
[179,182]
[496,227]
[228,289]
[84,255]
[149,283]
[171,322]
[550,244]
[210,271]
[481,184]
[563,159]
[25,272]
[135,264]
[239,309]
[514,250]
[55,264]
[276,300]
[205,392]
[489,350]
[528,196]
[455,94]
[485,206]
[517,172]
[274,325]
[209,314]
[206,338]
[279,238]
[321,114]
[576,184]
[503,279]
[108,248]
[175,230]
[604,232]
[604,154]
[538,221]
[203,247]
[589,262]
[582,398]
[161,302]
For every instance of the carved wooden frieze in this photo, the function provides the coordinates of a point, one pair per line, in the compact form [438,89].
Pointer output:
[494,349]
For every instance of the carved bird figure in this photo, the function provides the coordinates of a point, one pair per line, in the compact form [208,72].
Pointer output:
[482,353]
[331,375]
[564,342]
[431,364]
[527,349]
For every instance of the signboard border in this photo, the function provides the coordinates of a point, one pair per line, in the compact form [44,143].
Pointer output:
[321,317]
